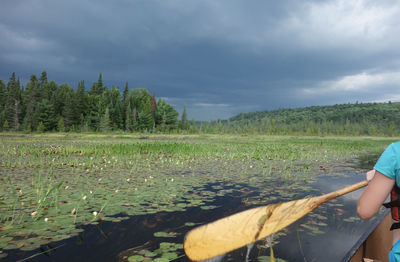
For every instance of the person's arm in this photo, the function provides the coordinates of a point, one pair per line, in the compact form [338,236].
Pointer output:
[374,195]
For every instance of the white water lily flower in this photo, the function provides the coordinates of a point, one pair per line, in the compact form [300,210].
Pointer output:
[34,213]
[94,213]
[127,180]
[84,197]
[46,219]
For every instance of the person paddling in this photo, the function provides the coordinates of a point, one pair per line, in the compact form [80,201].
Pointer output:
[384,179]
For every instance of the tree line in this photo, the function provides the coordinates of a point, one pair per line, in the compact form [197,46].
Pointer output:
[43,105]
[375,119]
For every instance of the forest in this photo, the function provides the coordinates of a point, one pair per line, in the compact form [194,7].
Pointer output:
[374,119]
[45,106]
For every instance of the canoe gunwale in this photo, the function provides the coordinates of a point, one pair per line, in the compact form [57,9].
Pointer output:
[364,237]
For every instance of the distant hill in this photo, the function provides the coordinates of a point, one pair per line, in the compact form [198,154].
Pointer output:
[356,113]
[352,119]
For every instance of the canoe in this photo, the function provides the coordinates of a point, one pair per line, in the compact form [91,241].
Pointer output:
[374,244]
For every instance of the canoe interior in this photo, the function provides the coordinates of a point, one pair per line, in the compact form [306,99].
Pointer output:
[375,244]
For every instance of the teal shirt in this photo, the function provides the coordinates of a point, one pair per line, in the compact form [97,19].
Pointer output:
[389,162]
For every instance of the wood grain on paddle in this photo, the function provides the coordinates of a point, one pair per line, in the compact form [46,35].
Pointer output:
[243,228]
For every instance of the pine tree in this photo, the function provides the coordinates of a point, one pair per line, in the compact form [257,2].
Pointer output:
[134,119]
[46,115]
[13,103]
[125,104]
[81,102]
[31,102]
[3,96]
[116,108]
[128,118]
[145,121]
[98,88]
[184,121]
[70,113]
[153,111]
[105,121]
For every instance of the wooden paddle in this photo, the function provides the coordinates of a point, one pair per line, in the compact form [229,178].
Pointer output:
[248,226]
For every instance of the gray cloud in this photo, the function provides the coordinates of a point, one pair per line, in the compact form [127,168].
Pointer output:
[217,57]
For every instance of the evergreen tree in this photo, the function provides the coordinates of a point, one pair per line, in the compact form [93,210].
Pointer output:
[42,85]
[46,115]
[13,103]
[145,121]
[128,118]
[3,96]
[3,101]
[135,126]
[5,125]
[60,125]
[125,104]
[70,112]
[115,108]
[184,121]
[50,89]
[98,88]
[81,102]
[105,123]
[41,128]
[166,115]
[94,115]
[31,100]
[153,111]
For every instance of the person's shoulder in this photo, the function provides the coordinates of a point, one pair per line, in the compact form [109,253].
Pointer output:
[395,145]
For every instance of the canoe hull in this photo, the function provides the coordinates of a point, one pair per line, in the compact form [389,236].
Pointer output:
[376,244]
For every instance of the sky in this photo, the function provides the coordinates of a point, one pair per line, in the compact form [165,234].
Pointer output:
[219,58]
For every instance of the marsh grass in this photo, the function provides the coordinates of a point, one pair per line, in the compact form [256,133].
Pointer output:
[53,183]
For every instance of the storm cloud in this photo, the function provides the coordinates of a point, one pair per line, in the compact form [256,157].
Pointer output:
[219,58]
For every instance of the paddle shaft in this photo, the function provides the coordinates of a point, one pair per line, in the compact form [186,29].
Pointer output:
[341,192]
[248,226]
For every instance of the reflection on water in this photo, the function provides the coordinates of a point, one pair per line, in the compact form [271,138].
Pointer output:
[326,234]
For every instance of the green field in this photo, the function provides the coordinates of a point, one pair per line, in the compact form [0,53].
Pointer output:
[53,183]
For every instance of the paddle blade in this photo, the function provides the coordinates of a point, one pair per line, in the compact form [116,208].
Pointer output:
[243,228]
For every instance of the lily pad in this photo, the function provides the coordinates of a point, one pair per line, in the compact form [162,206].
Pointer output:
[135,258]
[169,255]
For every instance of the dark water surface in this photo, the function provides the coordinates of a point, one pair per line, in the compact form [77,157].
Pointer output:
[326,234]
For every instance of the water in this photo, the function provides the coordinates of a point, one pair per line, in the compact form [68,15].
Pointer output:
[326,234]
